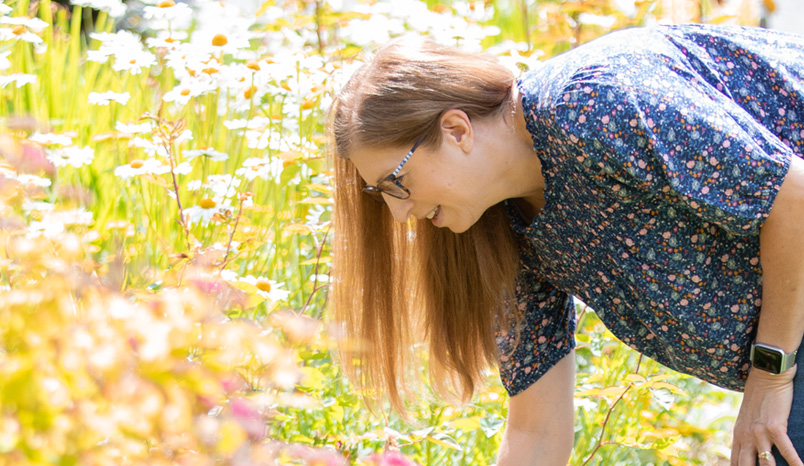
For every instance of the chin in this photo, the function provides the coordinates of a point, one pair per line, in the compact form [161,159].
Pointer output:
[460,227]
[463,221]
[458,230]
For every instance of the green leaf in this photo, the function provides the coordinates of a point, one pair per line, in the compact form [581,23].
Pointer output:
[440,438]
[665,442]
[491,425]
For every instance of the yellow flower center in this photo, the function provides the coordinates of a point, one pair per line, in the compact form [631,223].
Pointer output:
[253,65]
[219,40]
[250,92]
[185,92]
[166,4]
[137,163]
[207,204]
[18,29]
[264,285]
[210,70]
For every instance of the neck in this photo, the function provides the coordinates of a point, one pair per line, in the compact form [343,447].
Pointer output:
[525,168]
[507,165]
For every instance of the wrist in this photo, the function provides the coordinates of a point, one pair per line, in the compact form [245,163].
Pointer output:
[767,378]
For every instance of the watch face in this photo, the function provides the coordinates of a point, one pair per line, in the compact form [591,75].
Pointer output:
[767,359]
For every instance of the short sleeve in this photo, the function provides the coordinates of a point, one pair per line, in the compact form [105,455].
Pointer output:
[663,130]
[544,335]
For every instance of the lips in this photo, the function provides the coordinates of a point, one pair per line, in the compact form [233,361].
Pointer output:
[433,213]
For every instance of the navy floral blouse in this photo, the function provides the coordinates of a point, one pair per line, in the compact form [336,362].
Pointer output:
[663,150]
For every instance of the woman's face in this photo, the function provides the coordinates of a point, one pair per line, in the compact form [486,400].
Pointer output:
[447,185]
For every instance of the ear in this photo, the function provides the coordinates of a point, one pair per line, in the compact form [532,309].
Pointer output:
[456,128]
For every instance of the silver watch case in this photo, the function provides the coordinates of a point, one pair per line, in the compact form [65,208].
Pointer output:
[771,359]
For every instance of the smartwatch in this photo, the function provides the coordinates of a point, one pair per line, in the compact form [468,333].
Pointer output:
[771,359]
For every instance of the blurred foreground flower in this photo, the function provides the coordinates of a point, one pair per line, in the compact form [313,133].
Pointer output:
[95,376]
[391,458]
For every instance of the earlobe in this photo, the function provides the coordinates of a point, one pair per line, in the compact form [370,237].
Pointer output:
[456,127]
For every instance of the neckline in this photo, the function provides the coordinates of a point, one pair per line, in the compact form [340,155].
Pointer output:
[516,216]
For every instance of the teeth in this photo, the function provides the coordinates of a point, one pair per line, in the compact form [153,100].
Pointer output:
[432,213]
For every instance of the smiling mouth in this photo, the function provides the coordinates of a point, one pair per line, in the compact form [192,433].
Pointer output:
[433,213]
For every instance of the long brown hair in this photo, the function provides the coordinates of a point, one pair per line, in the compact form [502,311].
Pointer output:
[399,285]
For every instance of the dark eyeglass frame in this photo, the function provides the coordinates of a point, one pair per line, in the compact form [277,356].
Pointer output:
[391,185]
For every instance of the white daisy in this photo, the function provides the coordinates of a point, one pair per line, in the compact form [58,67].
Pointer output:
[118,41]
[217,40]
[223,247]
[48,139]
[19,79]
[34,180]
[185,56]
[111,43]
[268,289]
[47,229]
[177,15]
[133,61]
[265,138]
[256,122]
[55,222]
[34,24]
[71,155]
[222,186]
[209,153]
[183,168]
[156,147]
[205,211]
[115,8]
[263,167]
[141,167]
[40,206]
[229,275]
[98,56]
[147,145]
[133,128]
[5,63]
[186,90]
[104,98]
[170,40]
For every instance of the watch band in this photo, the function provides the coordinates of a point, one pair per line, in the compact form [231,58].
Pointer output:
[771,358]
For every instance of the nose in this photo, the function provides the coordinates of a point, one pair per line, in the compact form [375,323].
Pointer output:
[400,208]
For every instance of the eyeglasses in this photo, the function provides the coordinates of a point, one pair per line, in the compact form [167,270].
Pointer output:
[391,185]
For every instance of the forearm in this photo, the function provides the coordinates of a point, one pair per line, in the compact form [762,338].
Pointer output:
[522,448]
[781,320]
[540,429]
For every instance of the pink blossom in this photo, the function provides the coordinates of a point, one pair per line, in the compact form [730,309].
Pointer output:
[391,458]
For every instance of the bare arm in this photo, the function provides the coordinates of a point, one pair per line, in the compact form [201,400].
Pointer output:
[541,419]
[762,421]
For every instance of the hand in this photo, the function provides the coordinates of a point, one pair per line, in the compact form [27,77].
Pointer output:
[762,421]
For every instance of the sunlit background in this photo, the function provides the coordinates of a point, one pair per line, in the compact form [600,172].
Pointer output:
[164,227]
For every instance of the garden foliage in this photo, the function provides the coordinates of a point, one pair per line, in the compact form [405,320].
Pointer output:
[164,222]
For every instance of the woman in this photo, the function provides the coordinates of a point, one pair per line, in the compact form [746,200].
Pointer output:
[636,172]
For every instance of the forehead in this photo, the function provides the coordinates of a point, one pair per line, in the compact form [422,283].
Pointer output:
[374,164]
